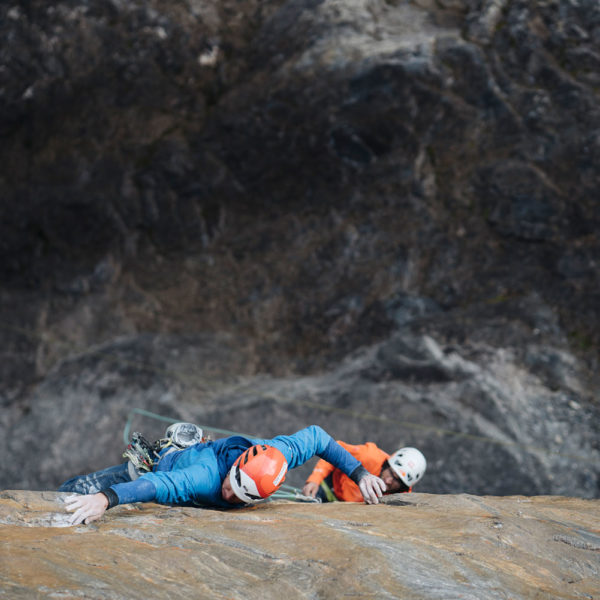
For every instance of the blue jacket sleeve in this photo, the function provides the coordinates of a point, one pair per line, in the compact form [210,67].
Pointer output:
[198,483]
[309,442]
[140,490]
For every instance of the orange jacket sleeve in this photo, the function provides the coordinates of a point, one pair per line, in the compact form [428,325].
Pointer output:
[321,471]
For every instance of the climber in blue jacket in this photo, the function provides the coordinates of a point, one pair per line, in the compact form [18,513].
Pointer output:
[224,473]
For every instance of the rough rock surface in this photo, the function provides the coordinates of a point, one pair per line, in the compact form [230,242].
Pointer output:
[416,546]
[383,206]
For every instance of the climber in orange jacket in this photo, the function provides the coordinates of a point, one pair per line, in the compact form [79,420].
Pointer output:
[400,472]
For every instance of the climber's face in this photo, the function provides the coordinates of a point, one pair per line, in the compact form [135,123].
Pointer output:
[227,492]
[392,481]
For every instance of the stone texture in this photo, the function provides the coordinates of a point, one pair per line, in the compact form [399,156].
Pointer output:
[281,170]
[490,421]
[416,546]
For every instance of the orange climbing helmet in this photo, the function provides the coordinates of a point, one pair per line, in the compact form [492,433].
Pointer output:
[257,473]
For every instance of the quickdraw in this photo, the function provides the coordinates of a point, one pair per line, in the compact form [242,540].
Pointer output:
[141,453]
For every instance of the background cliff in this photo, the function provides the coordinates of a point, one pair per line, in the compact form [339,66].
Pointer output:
[379,216]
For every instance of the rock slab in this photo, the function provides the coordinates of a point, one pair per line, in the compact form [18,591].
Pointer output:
[412,546]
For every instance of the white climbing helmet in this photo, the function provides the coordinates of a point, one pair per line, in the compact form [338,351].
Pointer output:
[409,464]
[184,434]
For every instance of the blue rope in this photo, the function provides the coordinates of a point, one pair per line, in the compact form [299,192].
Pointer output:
[151,415]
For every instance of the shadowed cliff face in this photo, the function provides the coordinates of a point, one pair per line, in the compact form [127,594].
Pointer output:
[204,203]
[287,170]
[414,546]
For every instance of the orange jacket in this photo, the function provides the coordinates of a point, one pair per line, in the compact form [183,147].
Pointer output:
[344,488]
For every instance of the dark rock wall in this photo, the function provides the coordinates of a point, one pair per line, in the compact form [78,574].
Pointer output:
[305,176]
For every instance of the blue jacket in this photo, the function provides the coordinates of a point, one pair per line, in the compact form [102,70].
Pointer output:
[194,476]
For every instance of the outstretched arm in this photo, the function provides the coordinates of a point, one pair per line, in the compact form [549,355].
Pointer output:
[313,440]
[90,507]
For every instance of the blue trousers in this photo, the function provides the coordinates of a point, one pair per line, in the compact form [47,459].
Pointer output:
[100,480]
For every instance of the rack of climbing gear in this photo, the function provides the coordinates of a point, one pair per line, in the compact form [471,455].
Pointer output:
[141,453]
